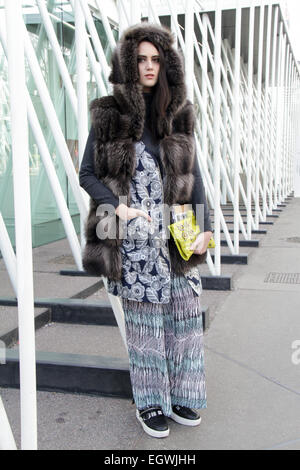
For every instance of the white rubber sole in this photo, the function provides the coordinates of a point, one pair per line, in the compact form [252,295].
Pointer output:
[149,431]
[184,421]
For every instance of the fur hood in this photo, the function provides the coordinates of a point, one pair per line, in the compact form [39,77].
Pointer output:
[118,121]
[128,92]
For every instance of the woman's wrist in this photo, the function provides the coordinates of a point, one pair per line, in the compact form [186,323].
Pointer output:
[121,209]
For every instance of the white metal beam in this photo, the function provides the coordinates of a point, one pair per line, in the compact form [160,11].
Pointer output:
[54,124]
[19,131]
[8,255]
[7,441]
[217,136]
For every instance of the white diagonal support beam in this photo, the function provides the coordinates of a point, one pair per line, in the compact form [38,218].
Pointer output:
[54,124]
[7,441]
[58,55]
[8,255]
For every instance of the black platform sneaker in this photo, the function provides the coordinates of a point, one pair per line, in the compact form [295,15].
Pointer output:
[183,415]
[153,421]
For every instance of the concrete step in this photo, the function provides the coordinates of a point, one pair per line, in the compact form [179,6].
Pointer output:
[231,222]
[244,209]
[72,373]
[233,259]
[88,359]
[86,340]
[228,212]
[208,281]
[80,311]
[256,232]
[244,216]
[243,243]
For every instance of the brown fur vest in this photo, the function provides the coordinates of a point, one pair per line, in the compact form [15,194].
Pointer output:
[118,121]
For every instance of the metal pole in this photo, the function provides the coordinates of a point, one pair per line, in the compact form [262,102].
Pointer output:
[267,116]
[291,125]
[259,114]
[237,53]
[175,24]
[53,180]
[174,30]
[250,154]
[54,123]
[294,124]
[95,66]
[123,17]
[226,124]
[7,441]
[96,41]
[151,16]
[189,48]
[280,98]
[106,25]
[278,118]
[81,74]
[116,305]
[135,11]
[204,91]
[217,156]
[8,255]
[285,118]
[19,131]
[288,120]
[273,134]
[58,55]
[54,183]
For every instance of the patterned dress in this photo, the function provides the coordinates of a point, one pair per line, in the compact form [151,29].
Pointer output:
[146,273]
[162,310]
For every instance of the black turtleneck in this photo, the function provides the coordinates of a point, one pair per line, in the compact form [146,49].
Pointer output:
[103,195]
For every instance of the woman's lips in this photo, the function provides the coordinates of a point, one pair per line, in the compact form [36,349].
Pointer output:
[149,76]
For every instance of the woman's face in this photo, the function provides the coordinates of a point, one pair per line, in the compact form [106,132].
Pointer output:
[148,65]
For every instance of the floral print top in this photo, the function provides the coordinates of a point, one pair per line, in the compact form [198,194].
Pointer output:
[146,273]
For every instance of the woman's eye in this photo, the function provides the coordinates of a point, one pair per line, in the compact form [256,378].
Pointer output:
[141,59]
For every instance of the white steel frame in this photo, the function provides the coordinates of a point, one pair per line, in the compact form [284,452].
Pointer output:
[245,133]
[19,129]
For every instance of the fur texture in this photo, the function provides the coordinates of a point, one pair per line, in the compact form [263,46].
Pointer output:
[118,121]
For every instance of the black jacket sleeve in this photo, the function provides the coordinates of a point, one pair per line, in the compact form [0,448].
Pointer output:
[87,179]
[198,197]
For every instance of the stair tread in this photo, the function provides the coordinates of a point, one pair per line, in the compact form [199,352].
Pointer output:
[90,340]
[72,359]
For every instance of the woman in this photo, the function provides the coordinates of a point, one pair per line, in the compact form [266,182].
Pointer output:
[140,157]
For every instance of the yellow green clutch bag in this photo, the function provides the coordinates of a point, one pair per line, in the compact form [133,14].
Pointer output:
[185,230]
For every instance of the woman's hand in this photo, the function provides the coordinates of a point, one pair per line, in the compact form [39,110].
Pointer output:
[199,246]
[128,213]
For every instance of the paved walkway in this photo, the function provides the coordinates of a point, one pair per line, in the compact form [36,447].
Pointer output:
[252,370]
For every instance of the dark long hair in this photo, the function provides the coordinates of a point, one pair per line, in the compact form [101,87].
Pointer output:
[161,94]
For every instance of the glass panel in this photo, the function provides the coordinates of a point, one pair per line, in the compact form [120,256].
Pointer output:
[46,223]
[6,186]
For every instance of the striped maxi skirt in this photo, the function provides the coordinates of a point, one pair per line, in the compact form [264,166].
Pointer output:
[165,346]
